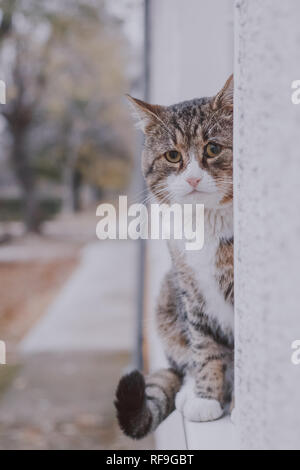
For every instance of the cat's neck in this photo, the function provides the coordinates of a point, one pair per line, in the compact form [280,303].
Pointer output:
[218,222]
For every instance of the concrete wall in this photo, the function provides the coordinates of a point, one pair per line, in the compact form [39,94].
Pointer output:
[191,48]
[267,223]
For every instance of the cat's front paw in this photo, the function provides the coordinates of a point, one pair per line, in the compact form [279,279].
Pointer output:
[196,408]
[202,409]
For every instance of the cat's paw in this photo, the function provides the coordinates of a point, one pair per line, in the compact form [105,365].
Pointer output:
[196,408]
[202,409]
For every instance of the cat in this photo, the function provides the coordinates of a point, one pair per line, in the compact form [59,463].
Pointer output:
[188,158]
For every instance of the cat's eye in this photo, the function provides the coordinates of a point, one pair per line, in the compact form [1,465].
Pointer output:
[213,150]
[173,156]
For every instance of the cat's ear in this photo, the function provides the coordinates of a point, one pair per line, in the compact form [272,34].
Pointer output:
[225,97]
[145,113]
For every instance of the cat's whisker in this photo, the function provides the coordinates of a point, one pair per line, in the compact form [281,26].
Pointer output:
[160,190]
[142,197]
[153,197]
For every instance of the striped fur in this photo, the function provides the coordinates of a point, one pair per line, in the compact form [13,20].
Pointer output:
[195,308]
[143,403]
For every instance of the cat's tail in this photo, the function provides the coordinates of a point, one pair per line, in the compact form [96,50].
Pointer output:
[143,403]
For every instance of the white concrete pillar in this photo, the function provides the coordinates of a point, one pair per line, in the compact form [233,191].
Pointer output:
[267,223]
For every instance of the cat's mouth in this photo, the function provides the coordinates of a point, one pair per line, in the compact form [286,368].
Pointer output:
[201,196]
[197,191]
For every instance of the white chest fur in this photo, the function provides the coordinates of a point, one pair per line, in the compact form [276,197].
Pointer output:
[203,264]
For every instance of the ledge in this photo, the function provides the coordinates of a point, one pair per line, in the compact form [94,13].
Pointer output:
[178,434]
[214,435]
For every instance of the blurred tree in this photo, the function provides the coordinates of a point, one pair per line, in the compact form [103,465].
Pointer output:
[26,85]
[64,68]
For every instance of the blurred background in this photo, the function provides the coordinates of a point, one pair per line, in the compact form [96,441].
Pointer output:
[76,312]
[69,303]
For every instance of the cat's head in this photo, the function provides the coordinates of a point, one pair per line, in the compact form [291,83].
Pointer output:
[187,155]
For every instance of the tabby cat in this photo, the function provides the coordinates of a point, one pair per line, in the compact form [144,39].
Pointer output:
[187,158]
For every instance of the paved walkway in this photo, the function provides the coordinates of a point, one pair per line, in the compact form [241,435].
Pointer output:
[62,396]
[95,310]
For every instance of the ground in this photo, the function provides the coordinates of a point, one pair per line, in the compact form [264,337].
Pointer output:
[26,290]
[65,401]
[67,316]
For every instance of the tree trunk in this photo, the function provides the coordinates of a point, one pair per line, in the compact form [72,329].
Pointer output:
[76,185]
[26,179]
[72,185]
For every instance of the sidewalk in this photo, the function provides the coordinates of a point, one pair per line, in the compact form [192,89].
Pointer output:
[62,397]
[95,310]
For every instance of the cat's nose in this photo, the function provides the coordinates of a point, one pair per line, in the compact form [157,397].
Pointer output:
[193,182]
